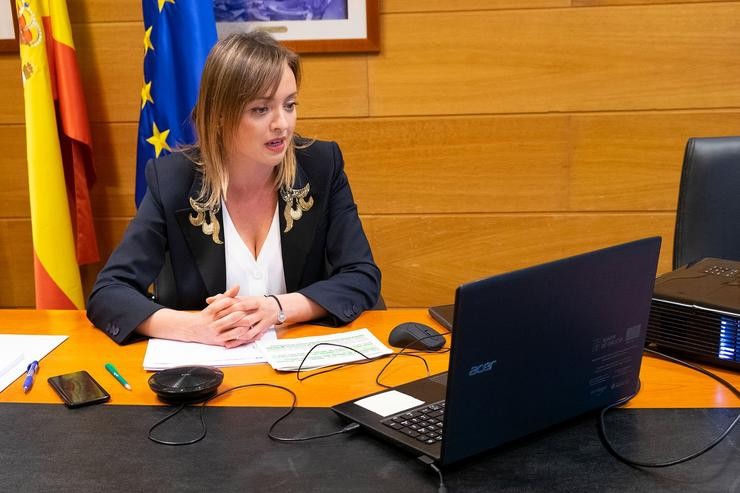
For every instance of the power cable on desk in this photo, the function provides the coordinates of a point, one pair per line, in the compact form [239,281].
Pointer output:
[367,359]
[204,429]
[424,459]
[429,462]
[348,428]
[610,447]
[415,353]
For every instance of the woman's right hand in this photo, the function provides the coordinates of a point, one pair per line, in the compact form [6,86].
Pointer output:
[215,324]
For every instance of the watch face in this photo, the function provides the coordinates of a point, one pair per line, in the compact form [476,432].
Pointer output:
[281,317]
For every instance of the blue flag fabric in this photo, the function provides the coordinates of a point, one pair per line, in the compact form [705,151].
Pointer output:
[178,34]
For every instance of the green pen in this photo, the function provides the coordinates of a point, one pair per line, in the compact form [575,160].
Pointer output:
[112,370]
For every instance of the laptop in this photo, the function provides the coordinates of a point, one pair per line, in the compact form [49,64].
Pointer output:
[443,314]
[530,349]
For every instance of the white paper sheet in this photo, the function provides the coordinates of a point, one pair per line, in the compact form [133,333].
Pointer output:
[162,354]
[18,350]
[287,354]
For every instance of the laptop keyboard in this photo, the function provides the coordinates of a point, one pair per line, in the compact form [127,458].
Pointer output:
[424,423]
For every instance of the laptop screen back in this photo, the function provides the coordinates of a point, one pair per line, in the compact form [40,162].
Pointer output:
[538,346]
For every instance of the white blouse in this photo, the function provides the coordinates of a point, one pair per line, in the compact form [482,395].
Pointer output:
[255,277]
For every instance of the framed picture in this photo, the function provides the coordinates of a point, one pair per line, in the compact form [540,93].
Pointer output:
[306,26]
[8,26]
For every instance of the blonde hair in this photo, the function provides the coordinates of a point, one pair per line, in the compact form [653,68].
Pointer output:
[239,69]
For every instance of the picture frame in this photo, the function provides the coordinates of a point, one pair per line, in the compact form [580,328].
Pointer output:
[8,27]
[334,26]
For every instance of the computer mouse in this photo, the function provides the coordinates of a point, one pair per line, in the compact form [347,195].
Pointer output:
[415,335]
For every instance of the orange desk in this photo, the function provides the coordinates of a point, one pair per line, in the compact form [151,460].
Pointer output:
[664,384]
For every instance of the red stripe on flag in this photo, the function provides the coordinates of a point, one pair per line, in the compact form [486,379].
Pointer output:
[48,294]
[75,142]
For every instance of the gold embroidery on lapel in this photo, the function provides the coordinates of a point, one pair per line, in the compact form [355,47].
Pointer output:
[295,204]
[207,221]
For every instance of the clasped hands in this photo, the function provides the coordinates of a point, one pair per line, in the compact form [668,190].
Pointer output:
[230,320]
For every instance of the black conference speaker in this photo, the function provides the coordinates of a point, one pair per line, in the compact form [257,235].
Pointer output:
[186,384]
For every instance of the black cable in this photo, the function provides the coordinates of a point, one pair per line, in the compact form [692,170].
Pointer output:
[393,358]
[204,429]
[429,462]
[167,442]
[349,427]
[333,367]
[366,359]
[696,368]
[401,352]
[610,447]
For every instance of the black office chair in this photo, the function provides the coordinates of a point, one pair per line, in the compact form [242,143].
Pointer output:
[708,213]
[165,292]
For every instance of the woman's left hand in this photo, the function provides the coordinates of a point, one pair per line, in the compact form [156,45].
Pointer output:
[261,314]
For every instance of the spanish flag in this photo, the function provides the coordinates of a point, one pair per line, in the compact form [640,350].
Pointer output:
[59,151]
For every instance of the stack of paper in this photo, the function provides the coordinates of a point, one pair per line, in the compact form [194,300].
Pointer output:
[162,354]
[18,350]
[283,354]
[289,354]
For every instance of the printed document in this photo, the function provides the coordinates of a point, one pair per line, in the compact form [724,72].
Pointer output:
[287,354]
[17,351]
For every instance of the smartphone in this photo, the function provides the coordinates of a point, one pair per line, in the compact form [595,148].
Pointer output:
[78,389]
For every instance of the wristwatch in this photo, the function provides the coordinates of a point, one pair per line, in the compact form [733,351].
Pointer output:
[281,314]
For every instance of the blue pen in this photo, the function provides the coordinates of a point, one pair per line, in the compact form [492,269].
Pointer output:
[30,374]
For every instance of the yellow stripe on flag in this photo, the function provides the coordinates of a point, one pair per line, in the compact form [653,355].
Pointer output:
[60,24]
[51,225]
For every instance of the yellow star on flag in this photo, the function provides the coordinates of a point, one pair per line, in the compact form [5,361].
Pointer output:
[159,140]
[146,94]
[162,2]
[148,40]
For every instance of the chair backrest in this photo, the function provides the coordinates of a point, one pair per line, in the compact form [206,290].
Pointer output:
[165,290]
[708,212]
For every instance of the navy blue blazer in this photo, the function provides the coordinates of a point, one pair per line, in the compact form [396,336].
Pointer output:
[326,255]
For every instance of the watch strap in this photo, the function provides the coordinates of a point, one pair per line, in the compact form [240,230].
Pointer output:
[281,313]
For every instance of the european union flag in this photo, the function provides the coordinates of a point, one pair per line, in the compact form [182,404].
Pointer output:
[178,34]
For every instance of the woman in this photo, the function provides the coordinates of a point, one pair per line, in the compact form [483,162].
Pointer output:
[259,225]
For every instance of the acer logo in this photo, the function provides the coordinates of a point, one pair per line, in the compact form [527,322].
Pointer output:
[482,368]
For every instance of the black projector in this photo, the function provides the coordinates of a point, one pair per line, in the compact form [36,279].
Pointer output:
[695,313]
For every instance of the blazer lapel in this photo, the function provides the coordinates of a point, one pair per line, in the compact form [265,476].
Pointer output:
[297,242]
[209,256]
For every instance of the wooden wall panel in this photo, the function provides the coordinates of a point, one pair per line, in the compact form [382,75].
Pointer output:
[110,58]
[523,61]
[632,162]
[16,258]
[503,133]
[14,197]
[16,263]
[605,3]
[115,164]
[424,258]
[582,162]
[405,6]
[111,63]
[334,86]
[95,11]
[452,165]
[11,94]
[431,253]
[478,164]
